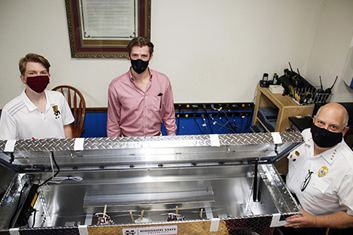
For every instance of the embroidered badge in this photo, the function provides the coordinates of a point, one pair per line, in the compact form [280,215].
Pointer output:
[323,171]
[56,111]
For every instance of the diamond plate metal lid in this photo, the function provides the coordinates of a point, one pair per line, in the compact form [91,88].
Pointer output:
[161,150]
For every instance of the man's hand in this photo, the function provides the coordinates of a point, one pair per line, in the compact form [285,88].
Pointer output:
[304,220]
[339,219]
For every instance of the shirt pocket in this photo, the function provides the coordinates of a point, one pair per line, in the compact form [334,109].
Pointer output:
[156,103]
[319,184]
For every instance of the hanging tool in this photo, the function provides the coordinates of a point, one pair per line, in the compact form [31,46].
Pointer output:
[321,88]
[328,90]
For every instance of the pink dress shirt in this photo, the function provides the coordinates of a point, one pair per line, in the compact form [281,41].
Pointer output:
[137,113]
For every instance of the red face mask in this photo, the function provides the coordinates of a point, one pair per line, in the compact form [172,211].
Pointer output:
[38,83]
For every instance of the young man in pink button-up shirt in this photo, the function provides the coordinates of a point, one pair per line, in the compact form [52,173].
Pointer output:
[140,100]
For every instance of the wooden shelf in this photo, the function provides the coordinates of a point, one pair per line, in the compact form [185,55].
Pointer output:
[287,107]
[263,125]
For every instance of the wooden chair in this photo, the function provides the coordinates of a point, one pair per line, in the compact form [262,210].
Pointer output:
[77,105]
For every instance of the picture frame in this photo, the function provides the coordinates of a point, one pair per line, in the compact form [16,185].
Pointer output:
[104,31]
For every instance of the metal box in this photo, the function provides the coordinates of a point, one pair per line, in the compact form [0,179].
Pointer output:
[201,184]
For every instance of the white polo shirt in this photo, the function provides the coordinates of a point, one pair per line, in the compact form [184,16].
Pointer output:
[330,188]
[21,119]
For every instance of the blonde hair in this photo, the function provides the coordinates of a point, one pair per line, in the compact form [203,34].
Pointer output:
[31,57]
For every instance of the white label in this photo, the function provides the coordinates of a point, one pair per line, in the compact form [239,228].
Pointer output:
[10,146]
[276,137]
[214,225]
[209,213]
[151,230]
[14,231]
[214,140]
[276,222]
[79,144]
[82,229]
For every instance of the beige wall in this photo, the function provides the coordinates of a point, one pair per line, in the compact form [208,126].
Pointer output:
[212,51]
[330,49]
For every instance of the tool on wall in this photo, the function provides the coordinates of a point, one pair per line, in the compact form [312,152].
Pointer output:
[301,90]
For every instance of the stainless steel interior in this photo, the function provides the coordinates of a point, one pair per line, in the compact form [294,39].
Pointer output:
[203,177]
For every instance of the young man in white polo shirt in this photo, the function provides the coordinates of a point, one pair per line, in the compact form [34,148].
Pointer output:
[36,113]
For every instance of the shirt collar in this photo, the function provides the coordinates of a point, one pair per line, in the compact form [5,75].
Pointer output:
[133,80]
[31,107]
[329,155]
[49,101]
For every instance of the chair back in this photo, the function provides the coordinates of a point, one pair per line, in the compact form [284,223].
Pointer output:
[77,105]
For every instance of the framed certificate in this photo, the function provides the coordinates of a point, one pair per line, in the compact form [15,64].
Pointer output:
[103,29]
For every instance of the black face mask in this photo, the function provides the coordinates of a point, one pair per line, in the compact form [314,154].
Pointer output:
[139,66]
[324,138]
